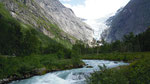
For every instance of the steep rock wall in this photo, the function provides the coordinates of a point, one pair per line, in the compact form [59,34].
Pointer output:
[44,15]
[134,17]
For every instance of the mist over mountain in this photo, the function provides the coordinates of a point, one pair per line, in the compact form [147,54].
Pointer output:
[134,17]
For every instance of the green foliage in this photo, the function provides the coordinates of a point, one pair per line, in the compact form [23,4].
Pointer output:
[10,66]
[107,76]
[20,39]
[130,49]
[19,44]
[4,12]
[82,48]
[137,73]
[60,54]
[75,58]
[78,47]
[127,57]
[130,43]
[14,41]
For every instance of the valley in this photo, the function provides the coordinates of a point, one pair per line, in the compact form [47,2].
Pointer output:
[44,42]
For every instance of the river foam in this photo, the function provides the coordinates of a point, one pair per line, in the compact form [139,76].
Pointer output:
[74,76]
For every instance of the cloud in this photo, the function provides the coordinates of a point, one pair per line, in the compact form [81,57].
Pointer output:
[65,0]
[93,9]
[96,12]
[67,5]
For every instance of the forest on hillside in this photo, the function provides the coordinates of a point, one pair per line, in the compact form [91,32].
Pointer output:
[130,43]
[24,50]
[134,49]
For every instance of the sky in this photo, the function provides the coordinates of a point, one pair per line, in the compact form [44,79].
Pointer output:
[73,2]
[95,11]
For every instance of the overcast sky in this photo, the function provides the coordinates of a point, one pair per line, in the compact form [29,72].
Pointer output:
[94,9]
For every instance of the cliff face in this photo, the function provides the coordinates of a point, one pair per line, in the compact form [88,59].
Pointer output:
[44,15]
[134,17]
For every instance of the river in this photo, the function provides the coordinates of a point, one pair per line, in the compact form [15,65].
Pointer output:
[73,76]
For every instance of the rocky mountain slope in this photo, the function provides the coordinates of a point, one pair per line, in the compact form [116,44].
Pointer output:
[134,17]
[51,18]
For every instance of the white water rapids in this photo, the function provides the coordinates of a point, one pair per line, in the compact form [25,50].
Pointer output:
[74,76]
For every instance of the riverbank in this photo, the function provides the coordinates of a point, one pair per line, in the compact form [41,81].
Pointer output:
[138,72]
[118,56]
[72,76]
[17,68]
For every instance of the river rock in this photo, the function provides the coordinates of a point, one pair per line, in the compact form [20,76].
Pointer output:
[89,66]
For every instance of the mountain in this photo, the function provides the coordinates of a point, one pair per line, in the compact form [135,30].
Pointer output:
[51,18]
[134,17]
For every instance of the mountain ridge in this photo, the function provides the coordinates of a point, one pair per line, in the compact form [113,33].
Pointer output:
[51,18]
[134,17]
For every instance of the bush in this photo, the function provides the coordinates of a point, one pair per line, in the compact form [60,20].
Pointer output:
[137,73]
[60,54]
[107,76]
[25,64]
[15,41]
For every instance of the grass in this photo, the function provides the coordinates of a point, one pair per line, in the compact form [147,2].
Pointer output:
[4,12]
[23,64]
[127,57]
[19,66]
[22,40]
[56,31]
[52,28]
[138,72]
